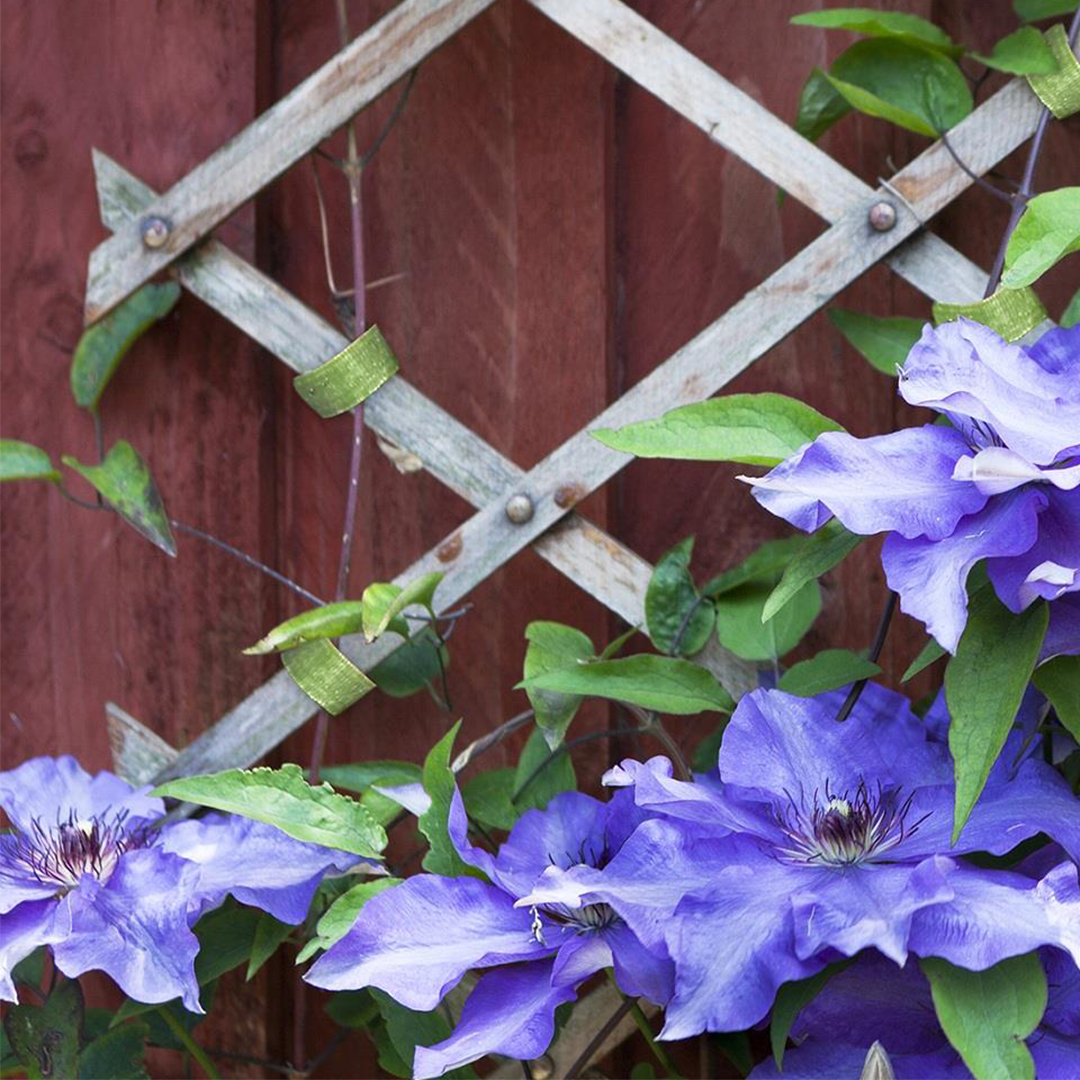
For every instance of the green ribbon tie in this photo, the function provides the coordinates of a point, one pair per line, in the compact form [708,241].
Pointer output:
[1059,90]
[1009,312]
[326,675]
[348,378]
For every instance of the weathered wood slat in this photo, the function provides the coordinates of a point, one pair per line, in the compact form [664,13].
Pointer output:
[737,122]
[268,146]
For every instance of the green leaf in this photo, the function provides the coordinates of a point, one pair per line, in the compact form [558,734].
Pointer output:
[928,654]
[421,591]
[409,1029]
[739,625]
[117,1054]
[363,775]
[663,683]
[377,598]
[24,461]
[46,1038]
[284,799]
[342,913]
[1034,10]
[912,87]
[614,647]
[125,483]
[552,647]
[819,553]
[1059,680]
[827,671]
[752,429]
[1023,52]
[679,622]
[103,345]
[439,783]
[765,564]
[411,666]
[988,1014]
[269,934]
[884,342]
[882,24]
[820,106]
[791,999]
[1071,315]
[489,799]
[984,683]
[1048,230]
[533,789]
[329,621]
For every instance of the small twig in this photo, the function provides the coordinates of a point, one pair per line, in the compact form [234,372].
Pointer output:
[327,1051]
[1027,182]
[85,504]
[974,176]
[677,641]
[248,560]
[492,738]
[399,107]
[566,747]
[651,724]
[872,656]
[250,1059]
[189,1044]
[585,1057]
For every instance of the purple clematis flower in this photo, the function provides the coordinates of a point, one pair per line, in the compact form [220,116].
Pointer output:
[821,839]
[1002,484]
[87,873]
[875,1001]
[417,940]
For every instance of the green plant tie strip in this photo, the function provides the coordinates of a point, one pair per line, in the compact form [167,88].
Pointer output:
[348,378]
[326,675]
[1009,312]
[1059,90]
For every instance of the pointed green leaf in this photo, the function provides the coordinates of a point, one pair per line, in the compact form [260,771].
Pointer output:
[884,342]
[791,999]
[284,799]
[411,666]
[408,1029]
[915,88]
[740,624]
[663,683]
[341,914]
[882,24]
[439,783]
[553,646]
[828,670]
[984,683]
[752,429]
[363,776]
[614,647]
[125,483]
[489,799]
[1034,10]
[1048,230]
[1059,680]
[328,621]
[46,1038]
[421,591]
[377,598]
[1023,52]
[818,554]
[928,654]
[766,563]
[24,461]
[103,345]
[820,106]
[1071,315]
[117,1054]
[269,934]
[679,621]
[541,774]
[988,1014]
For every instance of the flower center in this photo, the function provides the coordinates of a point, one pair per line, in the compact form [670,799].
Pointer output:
[845,830]
[584,920]
[61,854]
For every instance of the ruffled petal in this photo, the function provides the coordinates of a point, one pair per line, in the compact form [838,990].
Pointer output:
[819,1060]
[52,789]
[1056,1057]
[994,915]
[784,746]
[580,956]
[22,930]
[415,941]
[930,575]
[998,469]
[511,1011]
[239,856]
[640,972]
[1063,997]
[1058,351]
[17,882]
[902,482]
[864,907]
[135,928]
[965,370]
[1051,566]
[1063,631]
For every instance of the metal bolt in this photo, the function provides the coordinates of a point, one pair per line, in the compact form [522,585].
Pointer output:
[519,509]
[542,1068]
[882,216]
[155,231]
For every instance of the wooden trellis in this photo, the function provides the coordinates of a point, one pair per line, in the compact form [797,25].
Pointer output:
[449,450]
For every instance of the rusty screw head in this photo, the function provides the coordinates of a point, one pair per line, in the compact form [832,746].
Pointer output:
[155,231]
[882,216]
[519,508]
